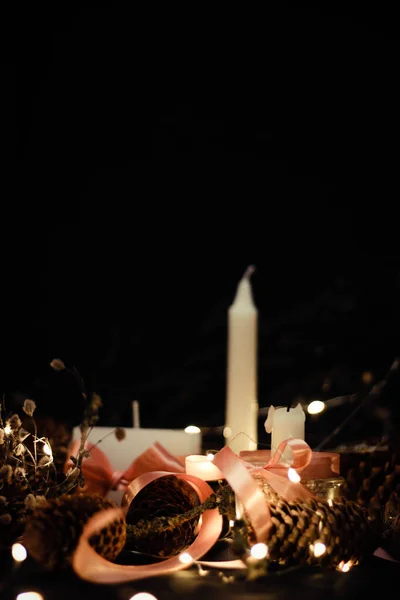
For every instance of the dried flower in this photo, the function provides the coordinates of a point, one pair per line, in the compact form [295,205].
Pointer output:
[30,502]
[29,407]
[6,474]
[20,449]
[19,473]
[23,434]
[120,434]
[3,501]
[57,364]
[5,519]
[95,401]
[15,421]
[1,436]
[41,501]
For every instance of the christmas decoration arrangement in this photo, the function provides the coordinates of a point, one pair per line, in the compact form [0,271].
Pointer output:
[173,519]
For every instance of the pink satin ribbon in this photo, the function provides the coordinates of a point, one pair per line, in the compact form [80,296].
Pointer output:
[239,474]
[100,477]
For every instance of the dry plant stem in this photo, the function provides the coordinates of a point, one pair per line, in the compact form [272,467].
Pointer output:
[374,393]
[219,499]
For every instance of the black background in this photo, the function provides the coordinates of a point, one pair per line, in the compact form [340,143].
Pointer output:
[150,158]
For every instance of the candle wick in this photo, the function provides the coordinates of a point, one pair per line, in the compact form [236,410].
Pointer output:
[249,272]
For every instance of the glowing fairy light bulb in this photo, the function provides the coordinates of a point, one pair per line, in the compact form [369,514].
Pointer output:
[186,558]
[319,549]
[19,552]
[259,551]
[293,475]
[143,596]
[46,449]
[29,596]
[192,429]
[210,456]
[7,430]
[345,567]
[315,407]
[227,433]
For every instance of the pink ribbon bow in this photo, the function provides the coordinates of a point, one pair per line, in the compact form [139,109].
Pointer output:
[100,477]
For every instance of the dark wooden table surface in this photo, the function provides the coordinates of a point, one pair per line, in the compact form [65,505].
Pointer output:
[374,578]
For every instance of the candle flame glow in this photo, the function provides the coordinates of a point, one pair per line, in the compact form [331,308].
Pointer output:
[293,475]
[18,552]
[192,429]
[315,407]
[186,558]
[259,550]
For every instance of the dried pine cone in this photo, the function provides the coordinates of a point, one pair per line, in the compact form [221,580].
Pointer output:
[343,527]
[52,531]
[374,488]
[167,496]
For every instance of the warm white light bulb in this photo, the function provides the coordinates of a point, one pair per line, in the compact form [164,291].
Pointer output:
[47,450]
[293,475]
[210,456]
[192,429]
[185,558]
[29,596]
[227,433]
[319,549]
[19,552]
[143,596]
[259,550]
[7,430]
[315,407]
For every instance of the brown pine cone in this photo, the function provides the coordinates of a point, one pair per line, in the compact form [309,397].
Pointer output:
[343,527]
[52,531]
[167,496]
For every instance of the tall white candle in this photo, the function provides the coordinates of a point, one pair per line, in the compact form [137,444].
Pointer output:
[284,424]
[241,415]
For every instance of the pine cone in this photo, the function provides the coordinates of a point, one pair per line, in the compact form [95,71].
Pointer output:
[52,531]
[167,496]
[344,528]
[374,488]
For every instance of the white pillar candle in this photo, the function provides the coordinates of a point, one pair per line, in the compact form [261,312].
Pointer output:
[202,467]
[241,402]
[285,424]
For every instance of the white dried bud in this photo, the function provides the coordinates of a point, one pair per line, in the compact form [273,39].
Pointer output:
[57,364]
[30,502]
[5,519]
[29,407]
[20,449]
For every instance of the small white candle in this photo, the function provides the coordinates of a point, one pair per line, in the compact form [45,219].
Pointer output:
[241,401]
[202,467]
[284,424]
